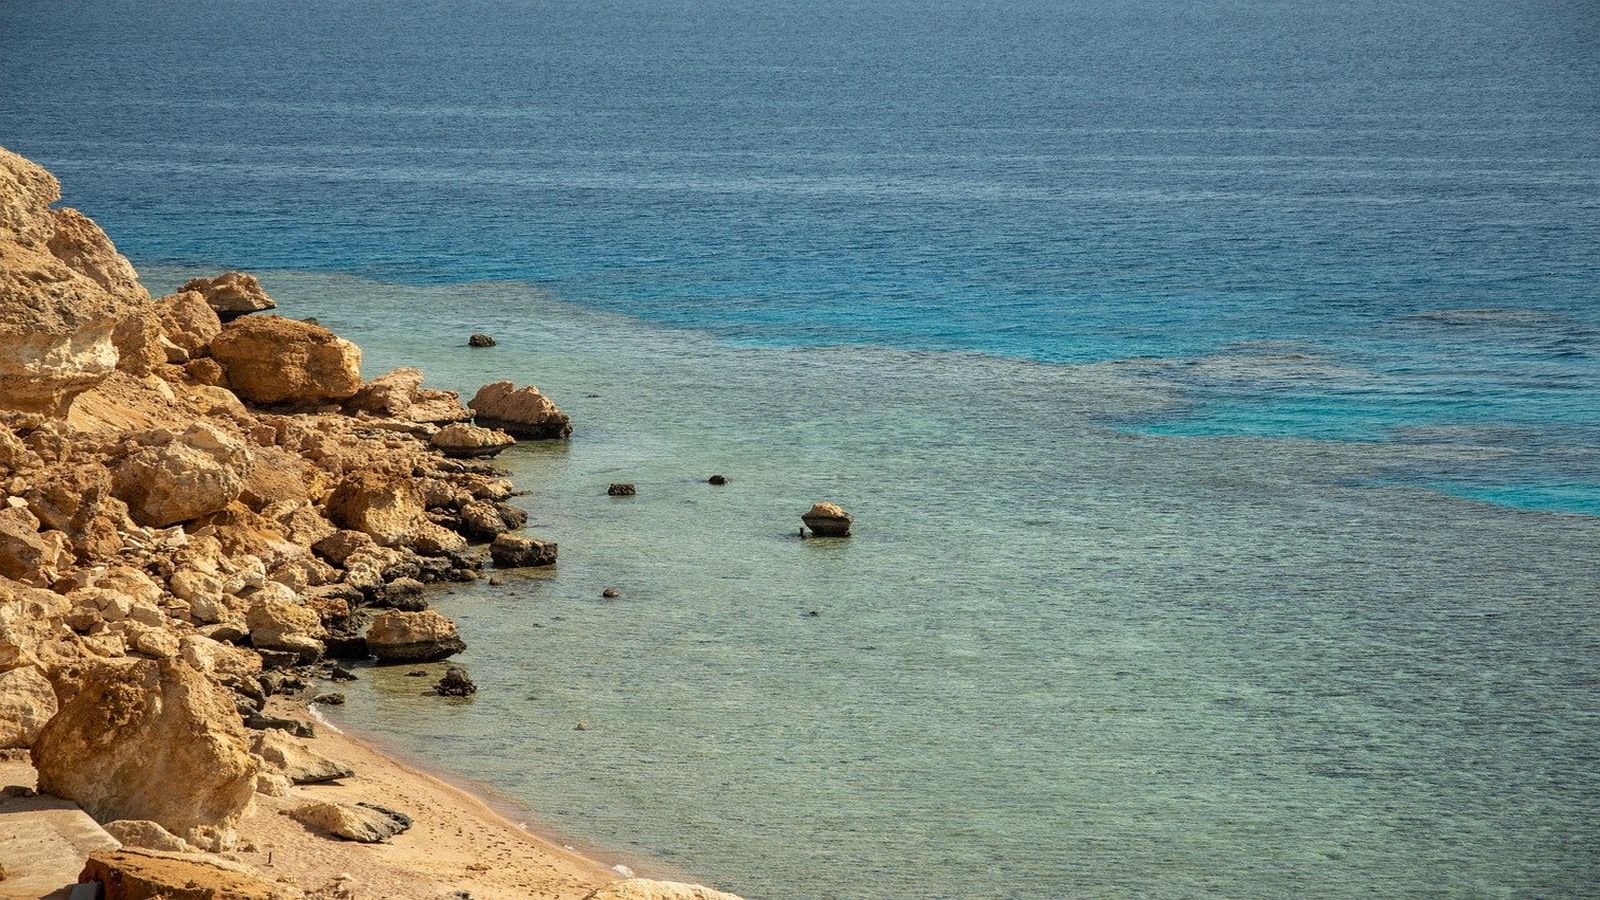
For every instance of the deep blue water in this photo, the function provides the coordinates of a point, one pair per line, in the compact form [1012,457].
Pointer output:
[1059,181]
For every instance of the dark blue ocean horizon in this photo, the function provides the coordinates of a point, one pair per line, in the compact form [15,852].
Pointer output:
[1406,195]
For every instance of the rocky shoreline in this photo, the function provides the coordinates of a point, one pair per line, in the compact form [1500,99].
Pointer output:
[204,508]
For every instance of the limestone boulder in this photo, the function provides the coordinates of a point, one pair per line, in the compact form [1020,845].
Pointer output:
[383,505]
[78,502]
[271,360]
[141,874]
[146,835]
[279,624]
[367,823]
[24,554]
[828,520]
[192,474]
[27,701]
[148,739]
[512,551]
[425,636]
[288,756]
[521,412]
[33,628]
[189,323]
[217,659]
[463,441]
[231,294]
[400,395]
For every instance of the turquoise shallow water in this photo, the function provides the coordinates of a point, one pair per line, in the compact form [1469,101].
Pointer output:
[1058,658]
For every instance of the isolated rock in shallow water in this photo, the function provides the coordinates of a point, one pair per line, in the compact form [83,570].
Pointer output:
[367,823]
[147,835]
[148,739]
[455,683]
[511,551]
[27,701]
[480,340]
[425,636]
[295,761]
[462,441]
[193,474]
[130,874]
[520,412]
[647,889]
[620,489]
[273,360]
[231,294]
[828,520]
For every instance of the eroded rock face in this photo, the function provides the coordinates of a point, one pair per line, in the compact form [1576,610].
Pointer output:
[367,823]
[148,739]
[828,520]
[193,474]
[462,441]
[56,323]
[27,701]
[271,360]
[231,294]
[424,636]
[278,623]
[520,412]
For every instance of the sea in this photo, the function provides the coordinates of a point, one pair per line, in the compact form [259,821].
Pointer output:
[1215,386]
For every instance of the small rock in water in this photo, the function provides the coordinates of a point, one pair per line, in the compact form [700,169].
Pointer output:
[329,699]
[340,673]
[496,581]
[717,480]
[610,593]
[828,520]
[581,726]
[455,683]
[417,673]
[813,614]
[480,340]
[621,490]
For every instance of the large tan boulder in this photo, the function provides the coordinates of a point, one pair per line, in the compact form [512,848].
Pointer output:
[285,754]
[189,323]
[463,441]
[277,623]
[231,294]
[520,412]
[272,360]
[384,505]
[192,474]
[399,394]
[424,636]
[33,627]
[78,502]
[148,739]
[86,249]
[133,874]
[648,889]
[24,553]
[27,701]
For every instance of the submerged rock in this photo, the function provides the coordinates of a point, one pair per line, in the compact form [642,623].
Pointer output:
[511,551]
[367,823]
[231,294]
[455,683]
[425,636]
[621,490]
[148,739]
[462,441]
[828,520]
[718,480]
[480,340]
[521,412]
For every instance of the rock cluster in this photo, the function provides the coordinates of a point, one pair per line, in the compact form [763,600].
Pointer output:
[200,504]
